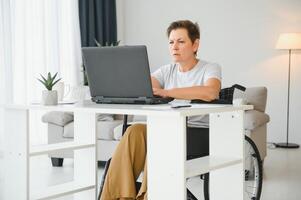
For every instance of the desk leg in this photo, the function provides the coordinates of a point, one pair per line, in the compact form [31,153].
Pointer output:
[166,154]
[227,140]
[85,166]
[16,159]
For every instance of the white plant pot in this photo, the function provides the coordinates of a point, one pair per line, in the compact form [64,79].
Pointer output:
[49,97]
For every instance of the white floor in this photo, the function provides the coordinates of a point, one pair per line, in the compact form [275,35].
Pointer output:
[282,175]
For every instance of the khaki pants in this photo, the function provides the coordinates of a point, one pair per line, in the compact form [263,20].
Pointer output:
[128,161]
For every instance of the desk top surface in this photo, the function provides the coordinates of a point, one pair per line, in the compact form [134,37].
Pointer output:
[162,109]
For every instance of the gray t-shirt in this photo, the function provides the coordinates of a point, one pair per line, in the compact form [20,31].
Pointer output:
[170,76]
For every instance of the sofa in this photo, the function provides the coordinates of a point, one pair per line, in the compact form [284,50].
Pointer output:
[256,120]
[109,127]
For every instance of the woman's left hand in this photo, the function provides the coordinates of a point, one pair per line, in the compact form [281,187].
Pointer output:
[160,92]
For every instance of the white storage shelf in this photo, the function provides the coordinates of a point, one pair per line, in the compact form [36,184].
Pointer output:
[47,148]
[227,119]
[61,190]
[206,164]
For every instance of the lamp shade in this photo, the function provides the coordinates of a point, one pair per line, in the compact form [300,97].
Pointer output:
[289,41]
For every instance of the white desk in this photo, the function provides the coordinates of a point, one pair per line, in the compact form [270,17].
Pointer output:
[166,140]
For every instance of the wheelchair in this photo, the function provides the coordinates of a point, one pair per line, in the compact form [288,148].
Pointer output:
[253,164]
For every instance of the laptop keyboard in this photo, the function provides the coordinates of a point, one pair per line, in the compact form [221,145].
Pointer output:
[161,100]
[142,101]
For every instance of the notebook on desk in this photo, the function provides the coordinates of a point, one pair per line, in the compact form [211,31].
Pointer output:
[120,75]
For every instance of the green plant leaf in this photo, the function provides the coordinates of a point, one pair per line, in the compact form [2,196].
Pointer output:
[50,81]
[56,82]
[43,78]
[54,76]
[49,76]
[43,82]
[116,43]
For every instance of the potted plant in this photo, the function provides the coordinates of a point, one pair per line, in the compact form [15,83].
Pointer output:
[49,96]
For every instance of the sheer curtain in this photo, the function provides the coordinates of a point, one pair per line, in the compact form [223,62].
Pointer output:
[4,73]
[36,37]
[45,38]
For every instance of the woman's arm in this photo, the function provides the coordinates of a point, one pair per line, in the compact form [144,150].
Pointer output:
[208,92]
[155,83]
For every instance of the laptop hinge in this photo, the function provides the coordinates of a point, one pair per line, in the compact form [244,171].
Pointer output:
[142,98]
[98,98]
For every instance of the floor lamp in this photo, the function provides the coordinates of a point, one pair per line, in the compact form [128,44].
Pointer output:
[288,41]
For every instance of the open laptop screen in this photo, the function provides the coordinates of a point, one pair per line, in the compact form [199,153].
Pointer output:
[118,72]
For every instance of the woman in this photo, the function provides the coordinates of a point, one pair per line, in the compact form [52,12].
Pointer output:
[187,78]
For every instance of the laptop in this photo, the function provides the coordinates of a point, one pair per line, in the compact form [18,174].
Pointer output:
[120,75]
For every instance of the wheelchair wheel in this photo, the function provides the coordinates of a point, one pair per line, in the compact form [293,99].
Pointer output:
[253,173]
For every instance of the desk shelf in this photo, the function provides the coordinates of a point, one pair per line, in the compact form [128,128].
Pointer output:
[48,148]
[206,164]
[61,190]
[164,123]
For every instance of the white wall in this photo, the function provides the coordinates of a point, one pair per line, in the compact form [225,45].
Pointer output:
[240,35]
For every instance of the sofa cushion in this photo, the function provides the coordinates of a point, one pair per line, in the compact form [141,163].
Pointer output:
[63,118]
[104,117]
[58,118]
[104,129]
[254,119]
[256,96]
[139,118]
[118,132]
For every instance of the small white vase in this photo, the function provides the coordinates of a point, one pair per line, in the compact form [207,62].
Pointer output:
[49,97]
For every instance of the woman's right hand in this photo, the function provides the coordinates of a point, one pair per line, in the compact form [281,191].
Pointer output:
[160,92]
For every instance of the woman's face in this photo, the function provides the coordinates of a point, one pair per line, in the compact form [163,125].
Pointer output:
[181,47]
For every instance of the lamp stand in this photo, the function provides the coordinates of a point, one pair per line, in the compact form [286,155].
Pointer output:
[286,144]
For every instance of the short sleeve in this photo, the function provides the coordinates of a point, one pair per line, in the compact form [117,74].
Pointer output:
[213,70]
[159,75]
